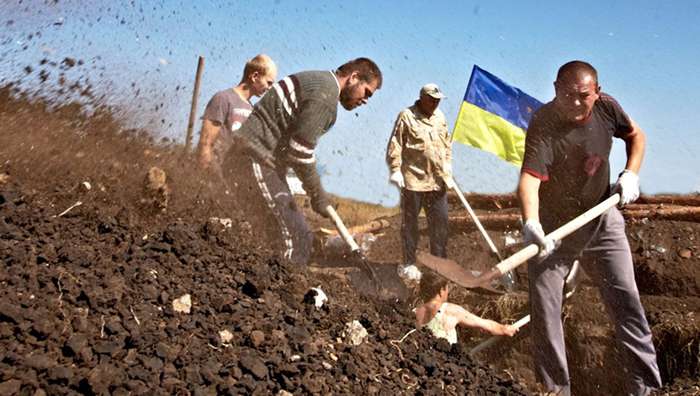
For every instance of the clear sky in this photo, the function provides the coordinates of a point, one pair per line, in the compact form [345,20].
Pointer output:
[647,55]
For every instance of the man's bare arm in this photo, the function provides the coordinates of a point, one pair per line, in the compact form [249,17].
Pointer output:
[635,143]
[210,131]
[528,193]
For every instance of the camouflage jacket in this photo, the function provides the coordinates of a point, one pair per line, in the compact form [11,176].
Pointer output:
[420,148]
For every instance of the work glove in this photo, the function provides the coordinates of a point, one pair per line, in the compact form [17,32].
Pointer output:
[320,203]
[397,178]
[628,187]
[533,233]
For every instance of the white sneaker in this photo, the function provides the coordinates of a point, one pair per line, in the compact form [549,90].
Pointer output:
[409,272]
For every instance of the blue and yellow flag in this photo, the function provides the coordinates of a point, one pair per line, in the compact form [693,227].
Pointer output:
[494,116]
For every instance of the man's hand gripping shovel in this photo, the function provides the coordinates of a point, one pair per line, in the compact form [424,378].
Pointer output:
[356,254]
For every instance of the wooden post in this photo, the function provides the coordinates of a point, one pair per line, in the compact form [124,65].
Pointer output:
[193,109]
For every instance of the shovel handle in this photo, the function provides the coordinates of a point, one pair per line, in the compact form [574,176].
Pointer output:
[480,227]
[342,230]
[531,250]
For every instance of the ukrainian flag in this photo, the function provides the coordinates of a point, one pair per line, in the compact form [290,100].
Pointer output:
[494,116]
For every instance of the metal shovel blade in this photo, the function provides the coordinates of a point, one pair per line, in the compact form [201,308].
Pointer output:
[455,272]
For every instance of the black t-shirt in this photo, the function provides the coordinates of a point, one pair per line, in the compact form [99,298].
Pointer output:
[571,160]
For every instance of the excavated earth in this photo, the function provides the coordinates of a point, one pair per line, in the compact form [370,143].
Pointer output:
[89,274]
[87,290]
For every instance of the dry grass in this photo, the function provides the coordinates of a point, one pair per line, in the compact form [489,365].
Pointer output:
[355,212]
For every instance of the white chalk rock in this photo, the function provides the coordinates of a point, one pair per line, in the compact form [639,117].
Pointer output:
[225,222]
[320,297]
[354,333]
[183,304]
[226,336]
[409,273]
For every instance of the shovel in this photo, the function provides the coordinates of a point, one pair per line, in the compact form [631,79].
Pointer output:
[355,251]
[508,279]
[572,280]
[465,278]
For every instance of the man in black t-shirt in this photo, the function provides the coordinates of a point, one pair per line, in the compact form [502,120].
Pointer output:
[565,172]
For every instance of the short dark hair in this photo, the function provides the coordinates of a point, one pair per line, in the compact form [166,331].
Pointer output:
[430,286]
[577,68]
[366,69]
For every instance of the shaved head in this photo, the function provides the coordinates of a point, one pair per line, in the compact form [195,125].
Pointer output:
[576,90]
[577,70]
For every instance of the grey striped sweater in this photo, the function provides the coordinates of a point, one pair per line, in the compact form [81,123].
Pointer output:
[285,125]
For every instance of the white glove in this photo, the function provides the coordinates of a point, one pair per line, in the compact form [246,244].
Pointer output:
[533,233]
[449,181]
[628,187]
[409,272]
[397,178]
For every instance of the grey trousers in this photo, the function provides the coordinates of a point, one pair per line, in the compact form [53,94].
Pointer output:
[605,256]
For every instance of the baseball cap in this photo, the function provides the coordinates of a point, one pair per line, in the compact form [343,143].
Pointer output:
[432,90]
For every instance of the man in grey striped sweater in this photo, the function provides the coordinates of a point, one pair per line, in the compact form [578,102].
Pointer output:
[282,132]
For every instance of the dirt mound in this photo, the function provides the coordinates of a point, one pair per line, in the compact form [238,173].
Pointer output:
[86,303]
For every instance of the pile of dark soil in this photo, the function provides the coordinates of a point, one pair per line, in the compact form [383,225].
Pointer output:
[86,303]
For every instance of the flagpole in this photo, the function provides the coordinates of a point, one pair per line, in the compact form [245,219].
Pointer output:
[492,246]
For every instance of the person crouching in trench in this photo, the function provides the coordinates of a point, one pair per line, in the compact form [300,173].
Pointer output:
[442,317]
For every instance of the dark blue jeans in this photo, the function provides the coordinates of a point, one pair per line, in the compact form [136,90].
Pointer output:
[435,205]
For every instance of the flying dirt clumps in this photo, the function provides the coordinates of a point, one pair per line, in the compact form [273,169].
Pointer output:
[156,190]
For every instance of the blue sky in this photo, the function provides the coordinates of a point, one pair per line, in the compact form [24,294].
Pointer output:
[646,53]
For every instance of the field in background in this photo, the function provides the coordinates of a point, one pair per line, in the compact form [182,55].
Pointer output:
[351,211]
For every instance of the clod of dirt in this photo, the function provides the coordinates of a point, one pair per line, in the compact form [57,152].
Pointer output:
[257,338]
[156,190]
[685,253]
[10,387]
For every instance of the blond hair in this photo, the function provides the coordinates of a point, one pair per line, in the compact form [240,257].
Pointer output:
[260,63]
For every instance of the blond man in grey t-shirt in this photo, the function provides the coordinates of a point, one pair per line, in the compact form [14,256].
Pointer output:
[228,109]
